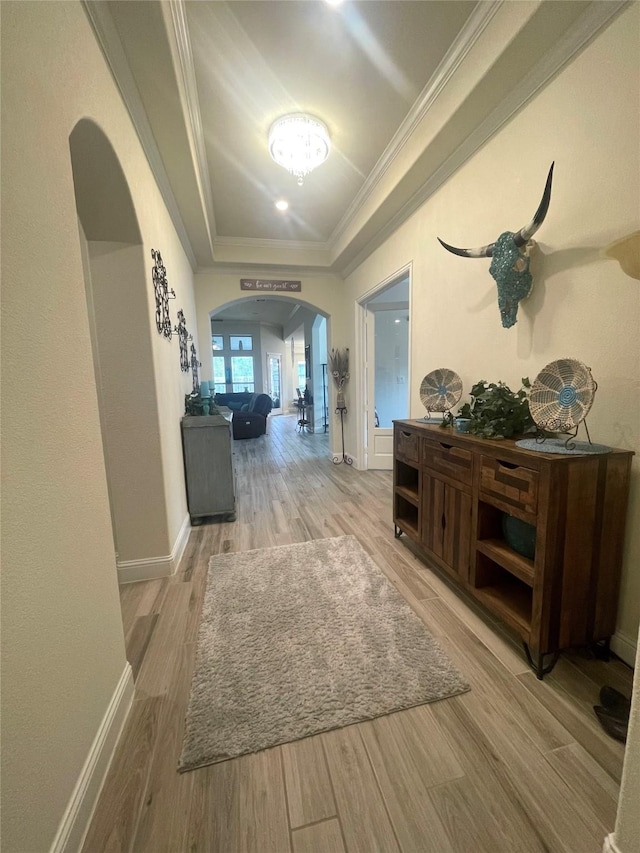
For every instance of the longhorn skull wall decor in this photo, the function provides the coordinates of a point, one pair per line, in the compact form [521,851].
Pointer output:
[510,259]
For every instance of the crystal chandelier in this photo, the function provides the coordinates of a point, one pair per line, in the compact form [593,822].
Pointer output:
[299,143]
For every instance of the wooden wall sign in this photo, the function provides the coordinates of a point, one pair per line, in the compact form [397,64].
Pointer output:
[270,284]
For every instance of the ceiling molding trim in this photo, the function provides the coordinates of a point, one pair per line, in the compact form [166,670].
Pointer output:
[107,37]
[187,80]
[455,56]
[268,270]
[595,19]
[264,243]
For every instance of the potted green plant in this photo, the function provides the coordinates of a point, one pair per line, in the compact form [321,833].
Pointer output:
[495,411]
[196,404]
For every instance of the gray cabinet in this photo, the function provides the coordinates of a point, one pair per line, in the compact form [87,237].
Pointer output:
[207,445]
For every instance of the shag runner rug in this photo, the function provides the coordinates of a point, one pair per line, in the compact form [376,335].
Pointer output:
[299,639]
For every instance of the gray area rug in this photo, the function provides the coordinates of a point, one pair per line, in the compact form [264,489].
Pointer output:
[300,639]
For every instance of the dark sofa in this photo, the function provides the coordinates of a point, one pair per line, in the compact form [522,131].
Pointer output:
[250,412]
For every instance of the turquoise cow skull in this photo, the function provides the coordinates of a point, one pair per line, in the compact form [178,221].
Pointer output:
[510,258]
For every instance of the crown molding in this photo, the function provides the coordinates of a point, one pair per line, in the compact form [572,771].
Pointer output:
[266,270]
[595,19]
[265,243]
[189,86]
[108,39]
[454,57]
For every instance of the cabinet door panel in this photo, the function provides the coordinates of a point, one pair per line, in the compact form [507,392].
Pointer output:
[457,531]
[446,523]
[433,517]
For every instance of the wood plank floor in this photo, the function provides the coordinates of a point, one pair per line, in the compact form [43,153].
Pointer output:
[514,765]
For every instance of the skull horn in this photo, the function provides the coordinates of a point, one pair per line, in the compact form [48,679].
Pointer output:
[482,252]
[525,234]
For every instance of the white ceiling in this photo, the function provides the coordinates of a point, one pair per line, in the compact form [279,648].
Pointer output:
[359,67]
[408,89]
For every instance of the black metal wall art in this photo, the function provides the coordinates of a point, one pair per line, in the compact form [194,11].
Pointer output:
[162,295]
[183,339]
[195,365]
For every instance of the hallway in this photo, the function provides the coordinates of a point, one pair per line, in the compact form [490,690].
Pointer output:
[516,764]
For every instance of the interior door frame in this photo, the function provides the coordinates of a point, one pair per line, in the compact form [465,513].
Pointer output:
[362,393]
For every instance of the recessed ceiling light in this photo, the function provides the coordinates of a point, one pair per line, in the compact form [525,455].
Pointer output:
[334,2]
[282,205]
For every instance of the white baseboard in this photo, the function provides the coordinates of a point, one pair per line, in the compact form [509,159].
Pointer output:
[625,647]
[77,817]
[610,845]
[181,542]
[151,568]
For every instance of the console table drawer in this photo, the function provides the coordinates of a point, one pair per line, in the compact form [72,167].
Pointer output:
[511,483]
[407,445]
[456,462]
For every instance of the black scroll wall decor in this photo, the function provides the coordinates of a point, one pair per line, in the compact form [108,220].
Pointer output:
[162,295]
[183,339]
[195,365]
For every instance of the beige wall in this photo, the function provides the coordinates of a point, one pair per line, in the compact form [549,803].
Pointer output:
[273,344]
[627,831]
[62,644]
[129,421]
[582,306]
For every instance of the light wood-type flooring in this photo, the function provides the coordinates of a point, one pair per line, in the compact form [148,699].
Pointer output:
[516,765]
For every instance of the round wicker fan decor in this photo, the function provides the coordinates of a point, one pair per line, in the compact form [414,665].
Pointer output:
[440,390]
[561,395]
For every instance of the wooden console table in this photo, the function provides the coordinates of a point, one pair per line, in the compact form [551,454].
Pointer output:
[450,493]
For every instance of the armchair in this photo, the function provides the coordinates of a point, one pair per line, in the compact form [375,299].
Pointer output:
[250,412]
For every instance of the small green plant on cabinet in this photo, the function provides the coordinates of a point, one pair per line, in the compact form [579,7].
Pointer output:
[496,411]
[193,404]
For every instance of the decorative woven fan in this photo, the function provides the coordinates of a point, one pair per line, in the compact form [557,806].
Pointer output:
[562,395]
[440,390]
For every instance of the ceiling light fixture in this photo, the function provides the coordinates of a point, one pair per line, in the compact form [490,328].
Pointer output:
[299,143]
[282,205]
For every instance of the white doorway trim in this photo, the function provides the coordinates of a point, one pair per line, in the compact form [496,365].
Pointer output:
[363,356]
[278,357]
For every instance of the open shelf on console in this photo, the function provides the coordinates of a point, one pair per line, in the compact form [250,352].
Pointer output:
[407,476]
[497,550]
[409,494]
[406,514]
[491,542]
[503,593]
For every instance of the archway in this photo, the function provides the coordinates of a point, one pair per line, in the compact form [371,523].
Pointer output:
[117,304]
[301,343]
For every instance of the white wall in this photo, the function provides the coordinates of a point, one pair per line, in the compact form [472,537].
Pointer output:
[582,306]
[62,644]
[627,830]
[129,422]
[272,342]
[318,358]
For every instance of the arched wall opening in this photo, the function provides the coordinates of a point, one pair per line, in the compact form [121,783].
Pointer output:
[303,325]
[117,304]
